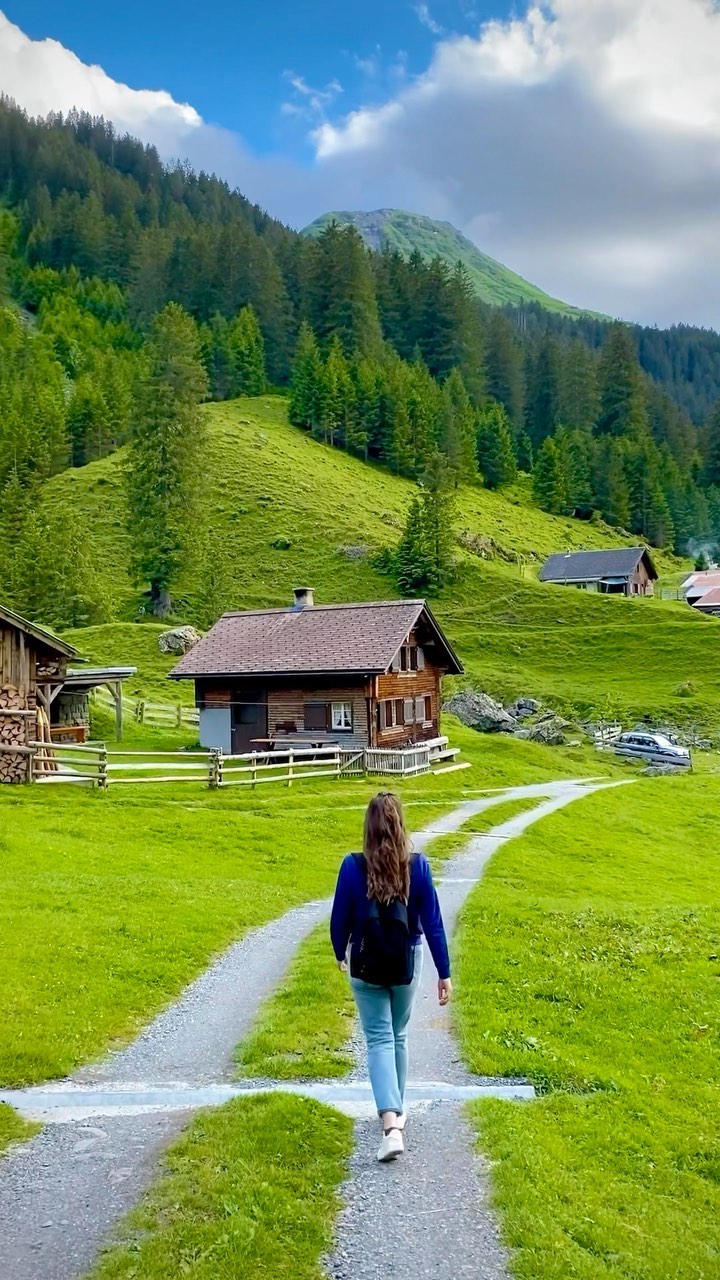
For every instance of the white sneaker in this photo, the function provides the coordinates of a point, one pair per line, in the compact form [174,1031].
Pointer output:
[391,1146]
[401,1121]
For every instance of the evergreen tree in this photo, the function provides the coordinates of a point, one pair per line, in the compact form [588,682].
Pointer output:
[306,383]
[218,357]
[495,449]
[623,403]
[88,423]
[424,554]
[166,453]
[549,481]
[612,497]
[337,396]
[52,572]
[458,429]
[504,367]
[576,453]
[578,403]
[542,391]
[712,469]
[525,457]
[248,355]
[340,295]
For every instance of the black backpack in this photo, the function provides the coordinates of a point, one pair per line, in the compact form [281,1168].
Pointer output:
[383,954]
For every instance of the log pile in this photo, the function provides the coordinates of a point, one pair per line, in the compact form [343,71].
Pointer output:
[17,725]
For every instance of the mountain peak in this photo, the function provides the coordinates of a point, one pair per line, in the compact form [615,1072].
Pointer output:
[407,233]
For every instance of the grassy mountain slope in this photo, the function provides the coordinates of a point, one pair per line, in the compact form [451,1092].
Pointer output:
[268,483]
[407,232]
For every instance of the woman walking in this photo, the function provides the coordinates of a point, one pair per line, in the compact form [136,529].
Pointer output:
[384,901]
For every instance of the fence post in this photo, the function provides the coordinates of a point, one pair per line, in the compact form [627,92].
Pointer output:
[102,768]
[179,715]
[254,768]
[290,768]
[140,712]
[215,768]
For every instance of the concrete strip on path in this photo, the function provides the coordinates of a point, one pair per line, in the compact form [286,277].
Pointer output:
[62,1193]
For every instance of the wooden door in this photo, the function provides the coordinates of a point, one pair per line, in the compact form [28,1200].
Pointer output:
[249,720]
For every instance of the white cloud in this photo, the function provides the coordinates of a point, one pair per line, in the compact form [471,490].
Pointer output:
[579,143]
[425,17]
[44,76]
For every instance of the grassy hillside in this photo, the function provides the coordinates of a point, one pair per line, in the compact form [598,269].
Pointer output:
[408,232]
[269,485]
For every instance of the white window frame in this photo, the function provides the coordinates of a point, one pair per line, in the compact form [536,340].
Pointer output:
[341,717]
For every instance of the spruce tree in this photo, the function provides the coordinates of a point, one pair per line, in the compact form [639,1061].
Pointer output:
[424,555]
[525,456]
[248,355]
[623,398]
[495,448]
[166,454]
[504,367]
[712,468]
[306,382]
[458,429]
[542,391]
[549,481]
[337,396]
[340,293]
[611,493]
[578,403]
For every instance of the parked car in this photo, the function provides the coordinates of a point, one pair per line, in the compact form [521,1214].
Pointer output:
[654,748]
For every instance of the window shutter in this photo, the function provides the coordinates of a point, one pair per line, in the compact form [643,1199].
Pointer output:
[395,664]
[316,715]
[409,711]
[420,659]
[419,710]
[381,715]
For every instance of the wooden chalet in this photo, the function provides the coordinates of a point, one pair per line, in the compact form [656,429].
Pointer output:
[33,665]
[627,571]
[359,675]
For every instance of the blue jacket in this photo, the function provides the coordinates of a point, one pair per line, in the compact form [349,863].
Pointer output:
[424,915]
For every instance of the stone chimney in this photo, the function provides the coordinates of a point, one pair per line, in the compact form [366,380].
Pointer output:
[304,597]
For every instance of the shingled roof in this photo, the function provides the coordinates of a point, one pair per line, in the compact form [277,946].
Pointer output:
[594,566]
[358,639]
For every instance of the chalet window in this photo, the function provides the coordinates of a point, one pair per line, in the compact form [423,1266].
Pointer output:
[428,707]
[410,658]
[409,716]
[341,717]
[316,715]
[390,713]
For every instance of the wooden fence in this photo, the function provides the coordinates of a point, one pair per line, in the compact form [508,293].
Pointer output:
[162,715]
[606,735]
[94,763]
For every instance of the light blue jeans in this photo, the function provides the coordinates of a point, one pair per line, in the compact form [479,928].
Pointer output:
[384,1017]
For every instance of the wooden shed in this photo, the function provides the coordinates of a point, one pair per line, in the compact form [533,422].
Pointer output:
[360,675]
[33,665]
[626,571]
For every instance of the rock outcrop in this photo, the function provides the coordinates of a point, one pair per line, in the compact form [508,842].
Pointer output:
[178,640]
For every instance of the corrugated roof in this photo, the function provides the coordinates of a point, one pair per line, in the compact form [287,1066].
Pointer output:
[593,566]
[357,638]
[38,633]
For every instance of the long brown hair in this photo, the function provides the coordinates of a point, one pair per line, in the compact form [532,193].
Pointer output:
[387,849]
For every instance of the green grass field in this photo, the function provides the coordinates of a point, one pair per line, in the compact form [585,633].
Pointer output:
[268,481]
[111,903]
[588,962]
[12,1128]
[249,1192]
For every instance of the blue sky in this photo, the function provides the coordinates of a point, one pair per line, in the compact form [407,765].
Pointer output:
[577,141]
[233,61]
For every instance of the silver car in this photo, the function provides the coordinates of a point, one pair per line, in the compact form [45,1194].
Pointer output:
[653,748]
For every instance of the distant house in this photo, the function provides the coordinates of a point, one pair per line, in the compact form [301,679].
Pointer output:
[364,675]
[708,602]
[627,571]
[699,586]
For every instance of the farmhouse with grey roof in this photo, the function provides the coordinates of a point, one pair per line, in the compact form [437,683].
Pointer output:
[627,571]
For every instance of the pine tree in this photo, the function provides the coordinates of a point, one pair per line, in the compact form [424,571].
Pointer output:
[306,382]
[495,448]
[166,453]
[525,456]
[623,400]
[218,357]
[340,295]
[504,367]
[578,403]
[458,429]
[577,454]
[549,482]
[542,391]
[712,469]
[248,355]
[611,493]
[337,396]
[88,422]
[424,555]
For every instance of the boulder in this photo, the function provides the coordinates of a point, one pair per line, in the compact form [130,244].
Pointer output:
[523,708]
[550,731]
[178,640]
[479,711]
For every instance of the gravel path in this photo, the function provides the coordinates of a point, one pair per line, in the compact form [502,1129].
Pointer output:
[62,1193]
[434,1201]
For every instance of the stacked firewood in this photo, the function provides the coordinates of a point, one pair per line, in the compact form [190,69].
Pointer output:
[14,722]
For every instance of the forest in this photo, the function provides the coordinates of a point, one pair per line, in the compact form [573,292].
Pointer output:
[131,291]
